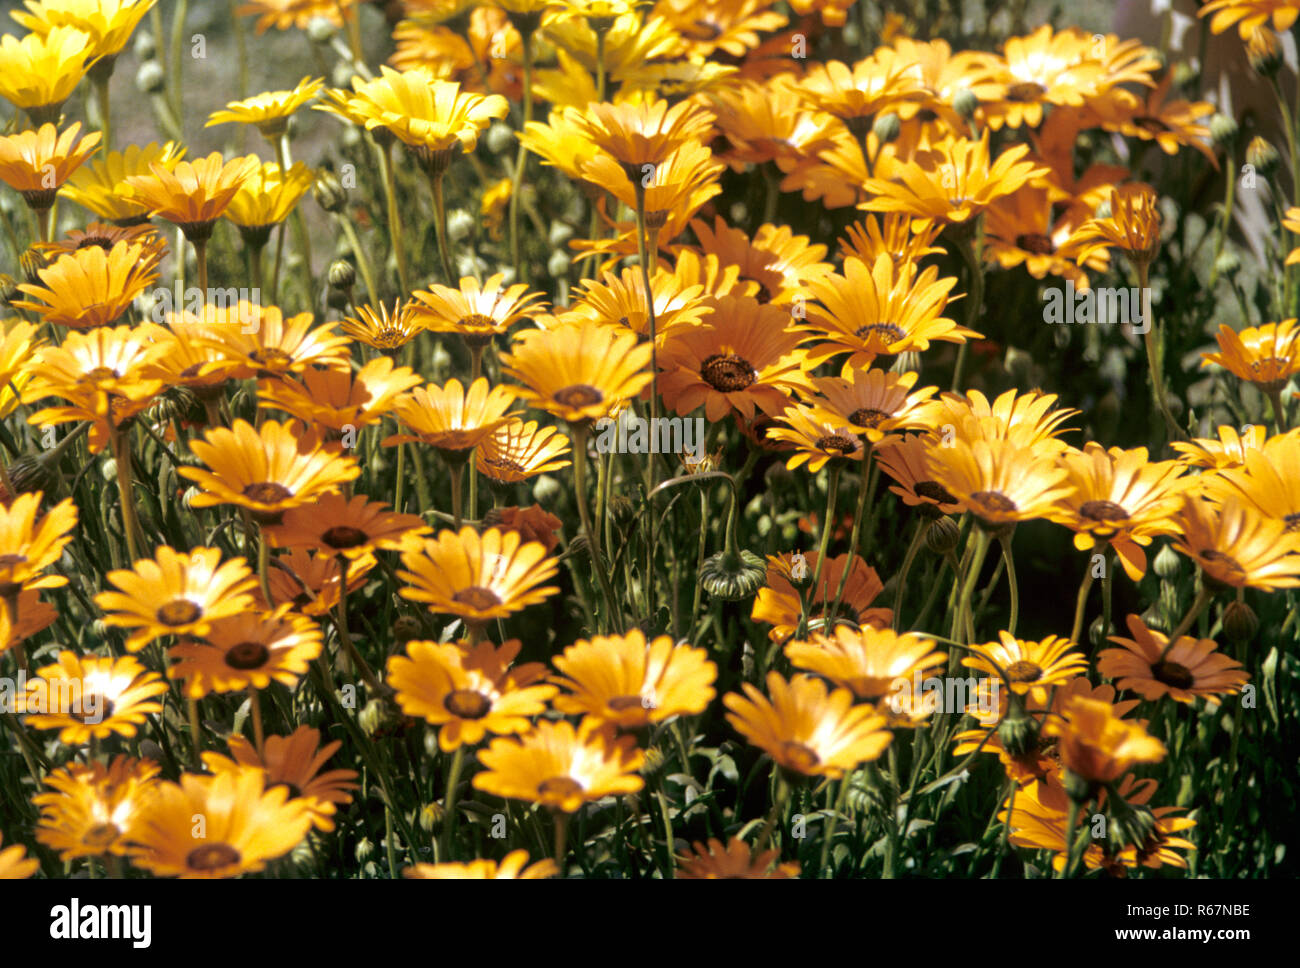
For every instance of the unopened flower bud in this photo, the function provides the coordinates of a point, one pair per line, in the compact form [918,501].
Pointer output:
[150,79]
[1224,131]
[342,274]
[321,30]
[1168,564]
[887,127]
[1262,156]
[965,103]
[1240,623]
[942,535]
[329,192]
[1263,52]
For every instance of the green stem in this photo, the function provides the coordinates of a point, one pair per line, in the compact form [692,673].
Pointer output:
[449,820]
[394,217]
[1005,539]
[440,226]
[908,559]
[580,434]
[828,522]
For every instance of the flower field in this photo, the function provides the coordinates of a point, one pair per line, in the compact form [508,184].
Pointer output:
[598,439]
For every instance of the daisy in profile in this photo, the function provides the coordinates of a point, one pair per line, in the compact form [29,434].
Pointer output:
[91,809]
[732,861]
[176,593]
[807,729]
[265,343]
[294,762]
[453,419]
[265,199]
[268,112]
[519,450]
[952,182]
[247,651]
[869,661]
[1096,745]
[37,163]
[469,691]
[39,72]
[1150,665]
[337,398]
[98,185]
[818,438]
[191,195]
[476,312]
[381,329]
[245,825]
[309,582]
[1027,667]
[267,470]
[561,767]
[477,577]
[514,866]
[350,527]
[85,698]
[627,681]
[1237,546]
[1267,355]
[32,542]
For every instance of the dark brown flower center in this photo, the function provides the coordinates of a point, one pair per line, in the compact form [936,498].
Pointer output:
[467,704]
[578,395]
[342,536]
[867,417]
[1035,242]
[267,492]
[271,356]
[1102,511]
[210,857]
[994,501]
[558,788]
[1292,521]
[887,332]
[101,835]
[180,611]
[505,463]
[1154,125]
[621,704]
[837,442]
[934,491]
[1025,91]
[1225,561]
[727,373]
[477,597]
[102,373]
[247,655]
[1024,671]
[799,756]
[1173,674]
[93,709]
